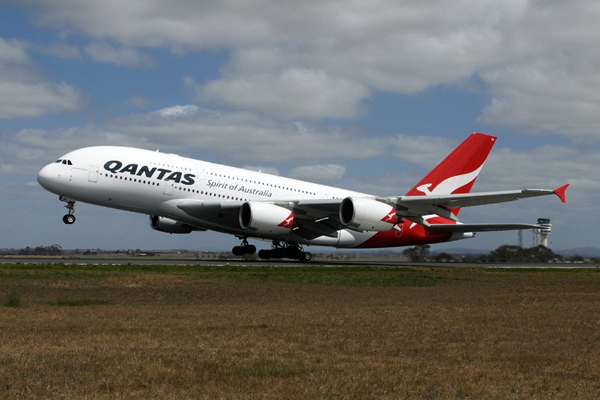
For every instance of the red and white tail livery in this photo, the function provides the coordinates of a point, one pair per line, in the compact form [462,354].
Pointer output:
[182,195]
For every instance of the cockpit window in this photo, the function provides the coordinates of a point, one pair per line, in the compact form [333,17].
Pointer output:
[57,161]
[65,162]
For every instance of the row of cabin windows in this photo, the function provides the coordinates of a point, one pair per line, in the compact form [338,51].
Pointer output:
[133,179]
[262,183]
[180,188]
[169,165]
[212,194]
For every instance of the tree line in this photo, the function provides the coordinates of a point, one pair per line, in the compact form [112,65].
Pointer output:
[54,250]
[506,253]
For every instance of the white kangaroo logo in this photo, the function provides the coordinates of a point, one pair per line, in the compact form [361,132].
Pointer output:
[451,184]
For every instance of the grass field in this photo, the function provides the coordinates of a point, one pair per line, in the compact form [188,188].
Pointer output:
[171,332]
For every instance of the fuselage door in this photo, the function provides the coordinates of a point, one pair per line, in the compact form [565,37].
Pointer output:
[201,172]
[93,174]
[168,189]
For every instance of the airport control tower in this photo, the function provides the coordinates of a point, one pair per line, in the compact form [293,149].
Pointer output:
[541,235]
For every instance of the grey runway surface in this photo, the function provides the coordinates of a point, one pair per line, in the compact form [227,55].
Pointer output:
[286,263]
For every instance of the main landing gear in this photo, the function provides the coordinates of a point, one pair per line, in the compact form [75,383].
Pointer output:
[244,249]
[70,217]
[289,250]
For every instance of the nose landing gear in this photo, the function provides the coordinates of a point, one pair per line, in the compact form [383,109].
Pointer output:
[70,217]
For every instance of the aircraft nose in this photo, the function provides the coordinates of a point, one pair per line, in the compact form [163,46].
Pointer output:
[46,177]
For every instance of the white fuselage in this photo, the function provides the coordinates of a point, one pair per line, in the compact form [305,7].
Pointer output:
[154,183]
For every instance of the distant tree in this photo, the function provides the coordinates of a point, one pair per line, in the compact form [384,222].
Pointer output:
[417,253]
[25,252]
[54,250]
[443,257]
[508,253]
[542,254]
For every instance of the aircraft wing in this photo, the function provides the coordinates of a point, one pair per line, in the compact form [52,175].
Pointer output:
[321,217]
[313,218]
[415,206]
[222,213]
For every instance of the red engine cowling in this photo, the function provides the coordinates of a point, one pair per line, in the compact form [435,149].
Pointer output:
[168,225]
[265,218]
[363,214]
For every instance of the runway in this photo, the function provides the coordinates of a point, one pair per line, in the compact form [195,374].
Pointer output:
[270,263]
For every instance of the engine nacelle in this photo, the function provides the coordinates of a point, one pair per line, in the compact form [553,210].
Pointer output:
[265,218]
[170,225]
[363,214]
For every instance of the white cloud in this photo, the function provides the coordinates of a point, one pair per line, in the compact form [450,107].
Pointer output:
[62,50]
[235,137]
[321,59]
[12,52]
[294,93]
[264,170]
[140,101]
[177,111]
[326,174]
[31,100]
[26,94]
[125,57]
[422,150]
[546,97]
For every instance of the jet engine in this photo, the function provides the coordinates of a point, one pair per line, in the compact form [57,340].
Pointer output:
[265,218]
[363,214]
[170,225]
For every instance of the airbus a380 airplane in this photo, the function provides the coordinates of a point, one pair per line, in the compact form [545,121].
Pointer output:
[182,195]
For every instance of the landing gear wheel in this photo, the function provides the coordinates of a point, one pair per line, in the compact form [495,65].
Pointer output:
[305,256]
[244,249]
[264,254]
[69,218]
[238,251]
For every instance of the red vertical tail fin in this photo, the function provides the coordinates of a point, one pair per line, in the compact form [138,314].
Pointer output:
[458,171]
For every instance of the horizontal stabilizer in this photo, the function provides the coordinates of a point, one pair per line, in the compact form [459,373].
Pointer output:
[455,228]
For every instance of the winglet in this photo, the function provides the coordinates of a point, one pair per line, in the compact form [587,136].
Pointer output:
[560,192]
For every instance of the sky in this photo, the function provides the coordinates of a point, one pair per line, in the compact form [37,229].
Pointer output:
[364,95]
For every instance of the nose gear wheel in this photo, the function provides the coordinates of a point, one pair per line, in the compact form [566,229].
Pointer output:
[70,217]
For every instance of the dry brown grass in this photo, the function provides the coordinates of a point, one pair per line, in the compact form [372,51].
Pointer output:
[479,335]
